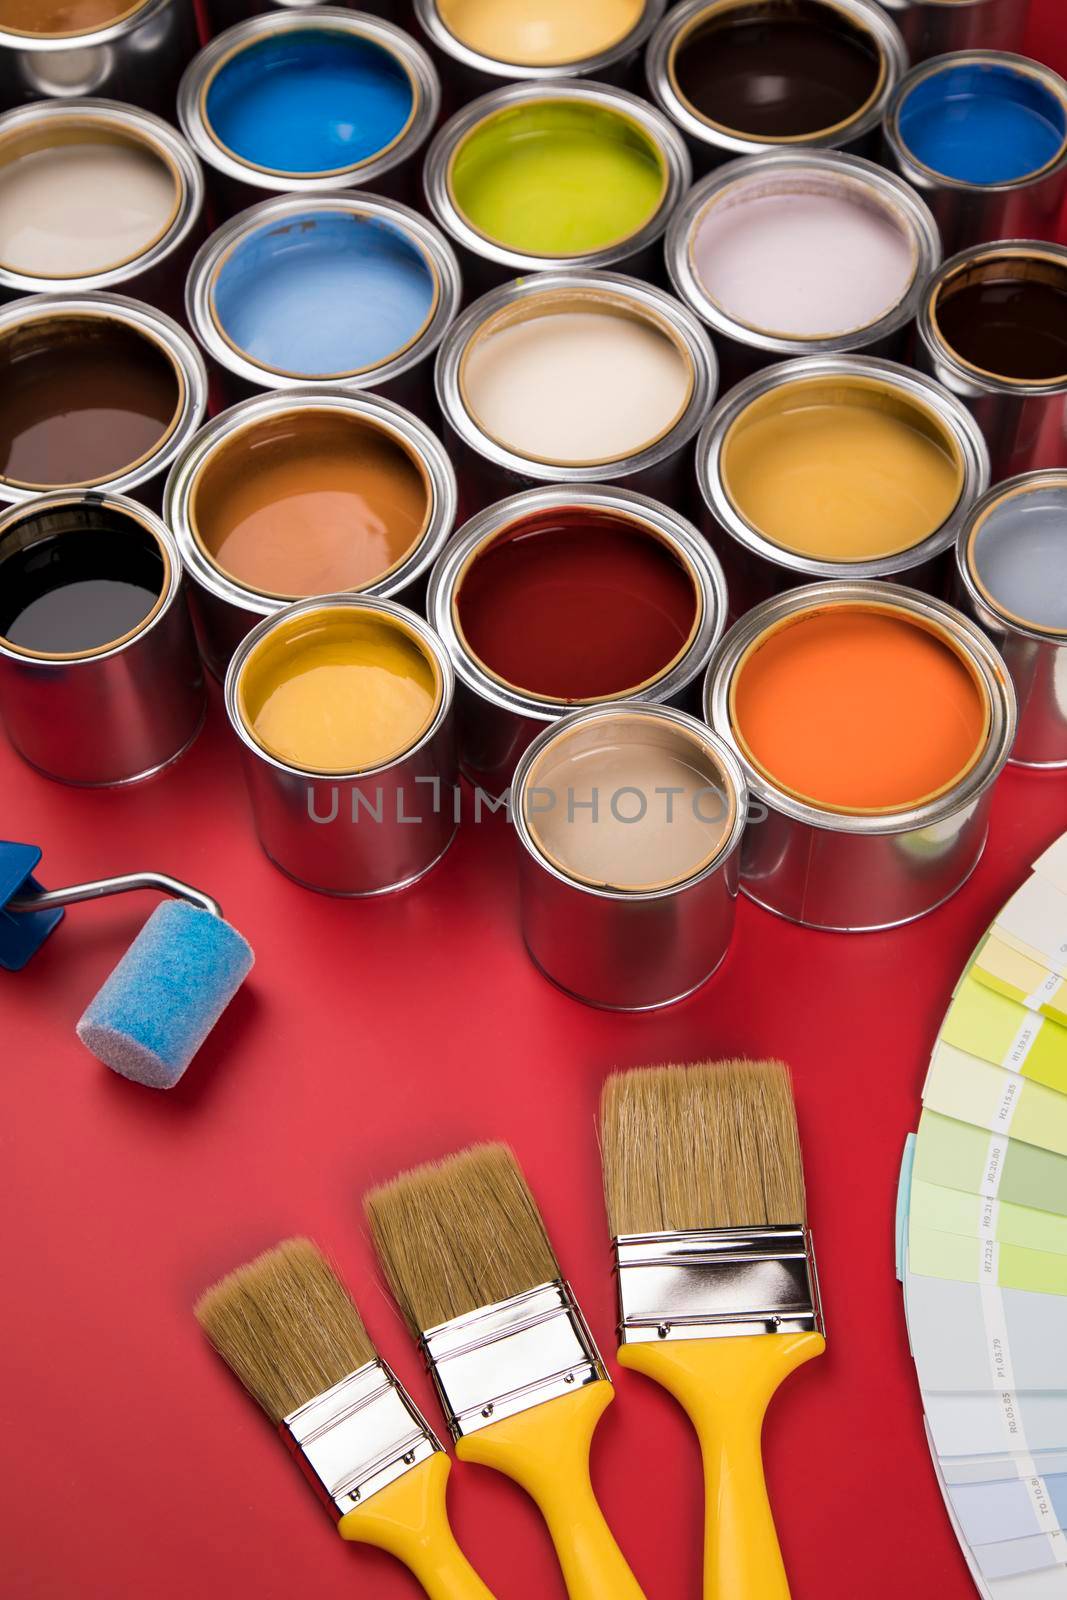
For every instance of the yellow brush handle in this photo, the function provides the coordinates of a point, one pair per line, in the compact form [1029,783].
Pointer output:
[546,1451]
[725,1386]
[409,1519]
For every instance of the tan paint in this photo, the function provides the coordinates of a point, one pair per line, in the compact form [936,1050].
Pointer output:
[540,33]
[55,19]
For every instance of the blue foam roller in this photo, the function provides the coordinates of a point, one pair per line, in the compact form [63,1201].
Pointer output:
[166,994]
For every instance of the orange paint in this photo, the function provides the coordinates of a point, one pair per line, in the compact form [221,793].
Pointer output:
[859,708]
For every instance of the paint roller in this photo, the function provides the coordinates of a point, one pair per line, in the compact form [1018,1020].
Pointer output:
[170,988]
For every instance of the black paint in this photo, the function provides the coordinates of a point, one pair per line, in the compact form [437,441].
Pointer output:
[1008,324]
[77,589]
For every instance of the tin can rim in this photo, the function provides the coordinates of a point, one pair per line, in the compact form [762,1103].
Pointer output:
[434,26]
[1007,489]
[88,38]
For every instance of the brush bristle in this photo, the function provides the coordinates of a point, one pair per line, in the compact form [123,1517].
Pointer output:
[459,1234]
[286,1325]
[707,1146]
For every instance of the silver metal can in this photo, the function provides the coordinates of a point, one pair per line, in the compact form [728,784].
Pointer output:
[491,466]
[622,923]
[267,252]
[138,56]
[1009,204]
[236,181]
[595,109]
[930,428]
[934,27]
[223,14]
[356,831]
[1009,369]
[867,41]
[105,710]
[854,870]
[226,606]
[496,717]
[156,269]
[1013,585]
[880,270]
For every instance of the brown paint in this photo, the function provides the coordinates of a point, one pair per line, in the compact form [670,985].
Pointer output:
[53,18]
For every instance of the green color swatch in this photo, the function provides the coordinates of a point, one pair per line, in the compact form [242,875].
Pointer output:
[996,1029]
[958,1155]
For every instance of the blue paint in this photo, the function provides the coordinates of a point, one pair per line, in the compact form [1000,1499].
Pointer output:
[324,293]
[309,101]
[983,124]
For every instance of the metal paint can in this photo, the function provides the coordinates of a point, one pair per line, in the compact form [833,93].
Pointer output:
[377,285]
[224,14]
[628,884]
[110,708]
[357,830]
[933,27]
[1012,560]
[909,468]
[675,575]
[250,452]
[1015,386]
[139,57]
[634,170]
[522,351]
[858,868]
[746,250]
[835,100]
[1012,184]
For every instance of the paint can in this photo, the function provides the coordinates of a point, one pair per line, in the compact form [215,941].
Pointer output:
[346,289]
[747,251]
[222,14]
[871,723]
[837,467]
[567,597]
[993,330]
[1012,559]
[95,195]
[551,177]
[253,106]
[343,708]
[293,494]
[742,77]
[127,50]
[100,682]
[983,137]
[934,27]
[96,391]
[574,378]
[629,820]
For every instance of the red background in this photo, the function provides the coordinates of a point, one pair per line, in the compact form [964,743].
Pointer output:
[371,1036]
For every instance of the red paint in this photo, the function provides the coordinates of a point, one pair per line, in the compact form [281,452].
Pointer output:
[576,606]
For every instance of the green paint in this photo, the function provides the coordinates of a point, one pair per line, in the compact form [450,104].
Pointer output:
[558,178]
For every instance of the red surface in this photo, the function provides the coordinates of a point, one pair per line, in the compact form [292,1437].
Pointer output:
[369,1037]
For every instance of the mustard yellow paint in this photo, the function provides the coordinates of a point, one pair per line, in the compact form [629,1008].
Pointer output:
[338,690]
[540,33]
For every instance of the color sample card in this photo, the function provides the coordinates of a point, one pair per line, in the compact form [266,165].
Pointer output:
[967,1339]
[1052,866]
[1002,968]
[1003,1469]
[1034,921]
[986,1261]
[976,1217]
[962,1086]
[996,1029]
[957,1155]
[991,1512]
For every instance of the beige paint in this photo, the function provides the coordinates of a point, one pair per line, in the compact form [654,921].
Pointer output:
[540,33]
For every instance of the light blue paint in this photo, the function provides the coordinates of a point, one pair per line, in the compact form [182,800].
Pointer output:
[324,293]
[308,101]
[983,124]
[1020,554]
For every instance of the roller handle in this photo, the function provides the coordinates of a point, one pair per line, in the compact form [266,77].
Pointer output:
[409,1520]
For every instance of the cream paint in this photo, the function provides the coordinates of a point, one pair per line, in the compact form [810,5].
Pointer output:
[543,34]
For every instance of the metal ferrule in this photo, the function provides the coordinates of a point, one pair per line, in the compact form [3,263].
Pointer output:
[716,1284]
[359,1437]
[504,1359]
[933,27]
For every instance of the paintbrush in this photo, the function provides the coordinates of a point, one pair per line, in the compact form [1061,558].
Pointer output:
[287,1327]
[718,1297]
[516,1370]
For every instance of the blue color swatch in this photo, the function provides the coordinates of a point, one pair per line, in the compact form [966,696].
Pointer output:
[983,124]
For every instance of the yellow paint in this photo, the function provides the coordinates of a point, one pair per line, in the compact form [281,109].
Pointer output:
[545,33]
[341,689]
[842,470]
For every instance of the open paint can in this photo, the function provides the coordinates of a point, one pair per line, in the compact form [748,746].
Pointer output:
[127,50]
[741,77]
[292,495]
[100,682]
[1012,558]
[629,820]
[871,723]
[575,378]
[226,13]
[344,711]
[295,102]
[837,467]
[542,177]
[95,195]
[934,27]
[747,251]
[96,391]
[342,289]
[983,137]
[993,330]
[561,598]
